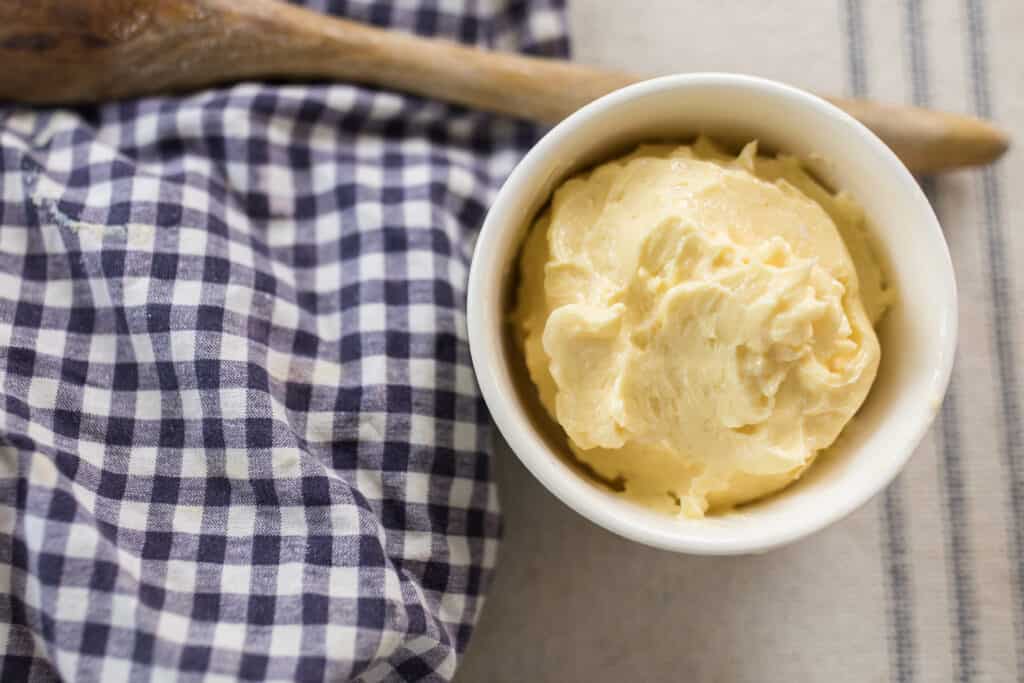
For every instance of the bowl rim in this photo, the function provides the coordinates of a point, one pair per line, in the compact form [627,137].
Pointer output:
[569,486]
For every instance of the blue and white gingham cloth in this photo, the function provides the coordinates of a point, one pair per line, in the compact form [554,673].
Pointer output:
[239,432]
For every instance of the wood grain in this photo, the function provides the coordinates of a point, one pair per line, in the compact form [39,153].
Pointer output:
[73,51]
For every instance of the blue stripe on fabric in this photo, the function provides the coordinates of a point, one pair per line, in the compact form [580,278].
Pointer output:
[1003,320]
[895,557]
[958,549]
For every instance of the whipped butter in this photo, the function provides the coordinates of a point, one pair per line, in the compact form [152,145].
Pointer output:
[701,325]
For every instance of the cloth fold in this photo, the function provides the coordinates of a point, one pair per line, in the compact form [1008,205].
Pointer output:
[240,435]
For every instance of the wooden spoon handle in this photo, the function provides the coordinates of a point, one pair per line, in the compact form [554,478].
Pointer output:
[89,50]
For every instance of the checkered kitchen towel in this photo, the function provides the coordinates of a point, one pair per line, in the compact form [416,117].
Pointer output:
[239,434]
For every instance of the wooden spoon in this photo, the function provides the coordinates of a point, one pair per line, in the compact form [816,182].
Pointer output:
[72,51]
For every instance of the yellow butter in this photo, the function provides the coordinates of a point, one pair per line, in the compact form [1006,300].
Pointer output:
[701,325]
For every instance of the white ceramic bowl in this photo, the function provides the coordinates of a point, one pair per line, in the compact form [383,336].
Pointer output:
[918,336]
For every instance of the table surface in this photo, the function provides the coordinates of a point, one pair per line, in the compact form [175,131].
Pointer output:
[924,582]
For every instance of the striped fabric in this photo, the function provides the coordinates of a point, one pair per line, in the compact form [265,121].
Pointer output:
[926,583]
[970,527]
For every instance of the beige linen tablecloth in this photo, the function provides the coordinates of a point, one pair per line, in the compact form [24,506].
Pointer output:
[924,583]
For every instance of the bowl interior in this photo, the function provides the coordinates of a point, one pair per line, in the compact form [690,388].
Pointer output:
[917,336]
